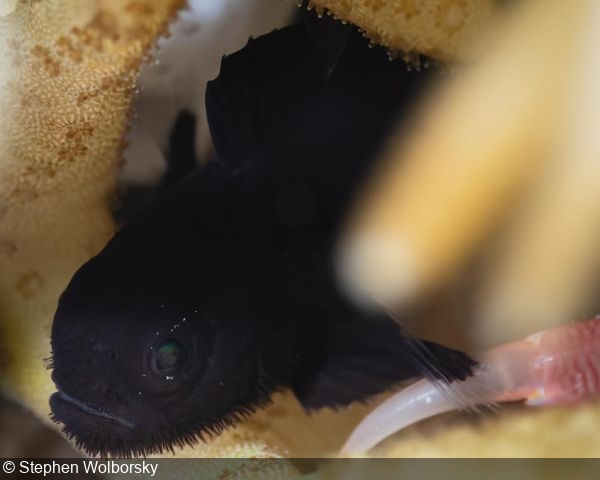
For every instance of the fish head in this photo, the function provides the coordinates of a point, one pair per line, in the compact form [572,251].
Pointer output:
[141,370]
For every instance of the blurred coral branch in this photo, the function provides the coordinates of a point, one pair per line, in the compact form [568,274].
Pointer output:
[507,142]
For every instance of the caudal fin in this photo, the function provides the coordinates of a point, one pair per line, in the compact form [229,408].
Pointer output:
[441,363]
[365,361]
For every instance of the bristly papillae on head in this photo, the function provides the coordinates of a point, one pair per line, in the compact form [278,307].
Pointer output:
[129,406]
[171,436]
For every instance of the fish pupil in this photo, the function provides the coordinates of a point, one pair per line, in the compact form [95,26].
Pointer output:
[169,357]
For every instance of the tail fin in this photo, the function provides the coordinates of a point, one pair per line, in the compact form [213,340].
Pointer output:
[367,360]
[437,362]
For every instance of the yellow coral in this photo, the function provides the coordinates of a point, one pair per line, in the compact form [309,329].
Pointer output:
[441,29]
[546,433]
[72,76]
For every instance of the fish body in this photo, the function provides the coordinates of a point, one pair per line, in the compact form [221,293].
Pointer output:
[225,290]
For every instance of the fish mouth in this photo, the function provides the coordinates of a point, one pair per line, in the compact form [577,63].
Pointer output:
[65,407]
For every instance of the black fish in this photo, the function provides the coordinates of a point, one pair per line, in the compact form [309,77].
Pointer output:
[224,292]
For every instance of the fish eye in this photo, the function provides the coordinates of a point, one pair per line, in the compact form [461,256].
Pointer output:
[169,357]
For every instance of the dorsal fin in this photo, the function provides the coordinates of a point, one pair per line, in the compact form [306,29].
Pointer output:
[246,103]
[279,103]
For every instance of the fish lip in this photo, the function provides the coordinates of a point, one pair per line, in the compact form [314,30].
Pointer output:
[87,408]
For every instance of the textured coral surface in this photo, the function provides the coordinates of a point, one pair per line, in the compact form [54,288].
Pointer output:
[440,29]
[73,71]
